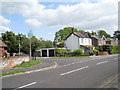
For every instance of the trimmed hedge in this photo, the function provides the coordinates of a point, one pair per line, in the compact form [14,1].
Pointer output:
[77,52]
[63,52]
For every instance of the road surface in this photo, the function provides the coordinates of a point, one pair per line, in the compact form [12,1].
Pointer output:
[89,72]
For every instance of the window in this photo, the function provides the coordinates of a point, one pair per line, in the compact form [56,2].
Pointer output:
[89,41]
[82,41]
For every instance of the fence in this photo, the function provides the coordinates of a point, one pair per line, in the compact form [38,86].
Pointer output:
[13,61]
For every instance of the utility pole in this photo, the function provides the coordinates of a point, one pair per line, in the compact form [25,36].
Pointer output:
[19,43]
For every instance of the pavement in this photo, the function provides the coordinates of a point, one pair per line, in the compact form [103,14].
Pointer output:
[88,72]
[36,67]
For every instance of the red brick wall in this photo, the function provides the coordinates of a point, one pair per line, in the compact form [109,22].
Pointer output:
[13,61]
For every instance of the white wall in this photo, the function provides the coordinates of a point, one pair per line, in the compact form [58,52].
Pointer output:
[85,41]
[72,42]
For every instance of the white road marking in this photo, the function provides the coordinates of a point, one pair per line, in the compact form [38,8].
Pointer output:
[86,61]
[73,71]
[26,85]
[102,62]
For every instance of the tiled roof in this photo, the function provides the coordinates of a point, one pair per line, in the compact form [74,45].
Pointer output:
[82,35]
[2,44]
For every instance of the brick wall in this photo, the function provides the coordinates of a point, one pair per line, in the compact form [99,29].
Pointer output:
[13,61]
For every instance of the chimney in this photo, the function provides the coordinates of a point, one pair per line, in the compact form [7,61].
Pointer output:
[73,29]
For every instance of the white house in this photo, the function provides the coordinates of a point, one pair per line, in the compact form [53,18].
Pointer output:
[78,41]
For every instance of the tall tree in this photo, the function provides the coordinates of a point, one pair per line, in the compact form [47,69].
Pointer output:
[10,39]
[30,34]
[61,34]
[102,32]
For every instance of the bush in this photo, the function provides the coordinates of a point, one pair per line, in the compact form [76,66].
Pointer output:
[95,51]
[107,48]
[115,49]
[61,52]
[77,52]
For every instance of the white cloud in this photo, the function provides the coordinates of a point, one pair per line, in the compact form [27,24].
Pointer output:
[33,22]
[3,24]
[84,15]
[4,29]
[4,21]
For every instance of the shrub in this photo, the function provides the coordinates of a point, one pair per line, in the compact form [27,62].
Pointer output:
[60,52]
[95,51]
[107,48]
[115,49]
[77,52]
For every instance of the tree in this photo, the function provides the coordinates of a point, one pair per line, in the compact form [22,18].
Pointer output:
[62,34]
[10,39]
[30,34]
[93,33]
[117,34]
[81,31]
[102,32]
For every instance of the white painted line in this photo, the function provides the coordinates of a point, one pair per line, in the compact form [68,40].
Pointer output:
[26,85]
[102,62]
[74,70]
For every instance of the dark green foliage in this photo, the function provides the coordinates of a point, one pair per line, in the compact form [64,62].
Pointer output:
[77,52]
[62,34]
[12,41]
[107,48]
[102,32]
[117,34]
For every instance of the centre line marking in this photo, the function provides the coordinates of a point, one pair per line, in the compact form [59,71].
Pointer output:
[25,85]
[74,70]
[102,62]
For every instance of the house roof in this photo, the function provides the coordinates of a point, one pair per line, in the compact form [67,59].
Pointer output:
[99,37]
[83,34]
[111,39]
[80,35]
[2,44]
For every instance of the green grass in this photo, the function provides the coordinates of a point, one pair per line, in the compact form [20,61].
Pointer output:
[9,73]
[29,64]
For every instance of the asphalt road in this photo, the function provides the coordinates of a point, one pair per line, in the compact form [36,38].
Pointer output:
[89,72]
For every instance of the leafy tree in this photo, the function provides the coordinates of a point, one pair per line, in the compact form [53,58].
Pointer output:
[117,34]
[30,34]
[102,32]
[81,31]
[93,33]
[62,34]
[10,39]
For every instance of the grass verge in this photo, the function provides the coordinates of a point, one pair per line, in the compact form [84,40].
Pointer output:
[28,64]
[9,73]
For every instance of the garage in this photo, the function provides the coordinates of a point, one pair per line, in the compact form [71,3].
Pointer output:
[47,52]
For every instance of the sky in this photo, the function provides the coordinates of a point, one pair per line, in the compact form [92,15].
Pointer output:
[45,18]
